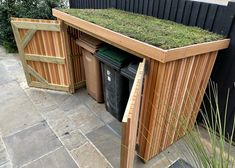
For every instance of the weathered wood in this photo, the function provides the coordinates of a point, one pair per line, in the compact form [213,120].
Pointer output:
[130,120]
[44,58]
[39,26]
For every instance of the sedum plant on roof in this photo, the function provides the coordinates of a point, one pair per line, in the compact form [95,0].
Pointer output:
[160,33]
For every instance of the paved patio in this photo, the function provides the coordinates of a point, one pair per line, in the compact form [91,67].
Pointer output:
[42,128]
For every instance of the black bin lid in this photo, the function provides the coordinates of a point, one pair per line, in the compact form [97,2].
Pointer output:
[130,70]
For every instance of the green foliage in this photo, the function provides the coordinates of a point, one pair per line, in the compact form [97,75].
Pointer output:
[160,33]
[219,154]
[22,8]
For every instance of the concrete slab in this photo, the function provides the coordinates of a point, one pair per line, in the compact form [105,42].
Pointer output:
[57,159]
[30,144]
[108,143]
[87,156]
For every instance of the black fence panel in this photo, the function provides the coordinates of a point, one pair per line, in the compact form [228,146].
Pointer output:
[212,17]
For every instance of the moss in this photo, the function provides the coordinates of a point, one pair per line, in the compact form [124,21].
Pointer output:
[160,33]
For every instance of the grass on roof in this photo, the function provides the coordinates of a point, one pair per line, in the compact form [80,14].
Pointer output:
[161,33]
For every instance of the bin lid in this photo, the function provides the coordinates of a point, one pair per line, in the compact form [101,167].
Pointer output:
[89,43]
[91,40]
[130,71]
[112,56]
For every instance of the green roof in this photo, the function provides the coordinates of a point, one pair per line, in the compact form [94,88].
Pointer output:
[160,33]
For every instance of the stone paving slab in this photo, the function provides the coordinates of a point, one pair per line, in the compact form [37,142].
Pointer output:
[4,76]
[87,156]
[85,120]
[29,144]
[108,143]
[6,165]
[41,100]
[73,139]
[62,126]
[17,111]
[57,159]
[116,126]
[3,153]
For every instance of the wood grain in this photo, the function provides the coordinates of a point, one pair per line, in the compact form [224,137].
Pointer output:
[172,96]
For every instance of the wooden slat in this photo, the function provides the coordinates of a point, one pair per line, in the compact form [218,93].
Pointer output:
[36,75]
[180,11]
[202,15]
[38,26]
[21,52]
[156,8]
[161,9]
[44,58]
[211,16]
[173,93]
[173,10]
[29,35]
[187,12]
[67,52]
[194,13]
[167,9]
[130,120]
[49,86]
[183,52]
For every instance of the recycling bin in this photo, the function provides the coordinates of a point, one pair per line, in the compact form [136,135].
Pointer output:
[92,66]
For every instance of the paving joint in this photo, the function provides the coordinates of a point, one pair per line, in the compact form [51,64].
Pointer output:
[48,153]
[62,143]
[7,153]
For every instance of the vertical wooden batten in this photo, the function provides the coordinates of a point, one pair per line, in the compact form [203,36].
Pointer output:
[43,52]
[173,92]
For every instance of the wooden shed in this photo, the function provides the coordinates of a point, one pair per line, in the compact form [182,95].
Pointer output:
[167,91]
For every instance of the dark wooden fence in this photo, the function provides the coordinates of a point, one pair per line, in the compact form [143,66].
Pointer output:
[212,17]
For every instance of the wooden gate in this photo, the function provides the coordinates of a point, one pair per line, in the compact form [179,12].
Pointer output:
[130,120]
[44,52]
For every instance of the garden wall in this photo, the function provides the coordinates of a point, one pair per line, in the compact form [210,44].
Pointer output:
[213,17]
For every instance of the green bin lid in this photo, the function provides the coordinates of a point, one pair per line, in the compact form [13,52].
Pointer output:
[113,56]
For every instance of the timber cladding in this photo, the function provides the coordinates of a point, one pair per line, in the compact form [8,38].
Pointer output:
[174,86]
[76,58]
[46,49]
[173,93]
